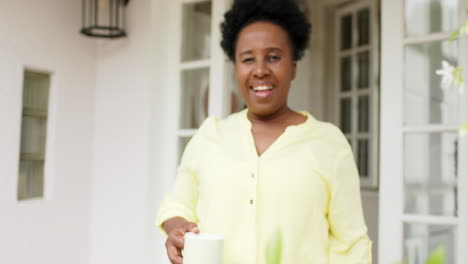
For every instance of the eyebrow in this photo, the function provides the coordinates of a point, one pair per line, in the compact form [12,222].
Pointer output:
[268,49]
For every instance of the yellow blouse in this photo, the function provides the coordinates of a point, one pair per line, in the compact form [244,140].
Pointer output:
[305,185]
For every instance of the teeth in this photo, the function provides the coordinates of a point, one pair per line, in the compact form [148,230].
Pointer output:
[262,88]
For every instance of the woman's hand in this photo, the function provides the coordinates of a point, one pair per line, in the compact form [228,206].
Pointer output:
[175,229]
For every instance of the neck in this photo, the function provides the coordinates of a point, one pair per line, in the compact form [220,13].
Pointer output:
[279,116]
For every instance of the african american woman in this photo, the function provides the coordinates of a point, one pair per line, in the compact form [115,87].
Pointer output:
[268,167]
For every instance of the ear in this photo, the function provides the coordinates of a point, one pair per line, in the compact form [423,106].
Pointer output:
[293,70]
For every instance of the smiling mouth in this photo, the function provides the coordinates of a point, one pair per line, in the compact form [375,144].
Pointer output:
[262,88]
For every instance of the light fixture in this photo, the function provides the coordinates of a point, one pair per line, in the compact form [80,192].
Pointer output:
[103,18]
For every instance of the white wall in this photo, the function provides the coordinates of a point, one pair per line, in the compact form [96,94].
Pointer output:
[131,82]
[107,167]
[106,156]
[44,35]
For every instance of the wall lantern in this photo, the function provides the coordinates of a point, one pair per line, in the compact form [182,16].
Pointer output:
[103,18]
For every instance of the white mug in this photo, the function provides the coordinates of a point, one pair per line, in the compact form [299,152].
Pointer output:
[202,248]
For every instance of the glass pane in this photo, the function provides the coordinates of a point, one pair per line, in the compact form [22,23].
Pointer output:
[196,32]
[363,69]
[430,168]
[346,32]
[420,240]
[363,115]
[36,90]
[425,102]
[345,111]
[363,27]
[237,103]
[363,157]
[182,144]
[194,101]
[346,74]
[33,135]
[430,16]
[31,179]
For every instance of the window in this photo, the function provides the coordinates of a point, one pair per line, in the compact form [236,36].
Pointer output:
[33,135]
[423,202]
[430,115]
[206,85]
[356,89]
[194,69]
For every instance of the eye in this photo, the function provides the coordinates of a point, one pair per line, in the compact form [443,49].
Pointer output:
[273,58]
[248,60]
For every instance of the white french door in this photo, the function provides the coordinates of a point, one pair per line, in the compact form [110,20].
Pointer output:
[198,70]
[423,200]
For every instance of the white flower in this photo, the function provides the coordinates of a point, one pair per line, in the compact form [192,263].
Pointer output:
[447,74]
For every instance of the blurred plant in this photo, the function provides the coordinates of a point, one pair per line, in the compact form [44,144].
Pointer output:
[453,76]
[463,130]
[274,249]
[437,257]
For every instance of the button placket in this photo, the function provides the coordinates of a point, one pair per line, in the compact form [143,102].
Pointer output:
[253,188]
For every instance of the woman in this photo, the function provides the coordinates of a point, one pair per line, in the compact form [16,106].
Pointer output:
[268,167]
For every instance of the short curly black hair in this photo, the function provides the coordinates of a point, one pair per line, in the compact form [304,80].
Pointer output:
[284,13]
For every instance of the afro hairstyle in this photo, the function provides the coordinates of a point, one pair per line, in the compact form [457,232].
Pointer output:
[284,13]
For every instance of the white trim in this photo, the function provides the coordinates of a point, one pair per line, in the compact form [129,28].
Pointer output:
[355,50]
[391,138]
[192,65]
[427,38]
[462,234]
[219,99]
[174,81]
[430,219]
[186,132]
[429,129]
[357,93]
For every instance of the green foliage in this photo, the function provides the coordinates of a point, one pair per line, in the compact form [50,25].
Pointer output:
[437,256]
[274,248]
[463,130]
[460,32]
[457,75]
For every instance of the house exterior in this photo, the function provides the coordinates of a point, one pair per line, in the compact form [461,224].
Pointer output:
[119,113]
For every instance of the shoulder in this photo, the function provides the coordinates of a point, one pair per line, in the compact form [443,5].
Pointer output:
[333,136]
[328,134]
[214,128]
[326,141]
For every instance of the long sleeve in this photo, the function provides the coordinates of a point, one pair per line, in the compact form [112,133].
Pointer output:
[349,243]
[183,200]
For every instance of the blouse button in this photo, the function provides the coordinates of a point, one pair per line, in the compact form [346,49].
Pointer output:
[251,201]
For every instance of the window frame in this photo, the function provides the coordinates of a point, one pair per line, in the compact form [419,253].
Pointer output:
[391,203]
[219,84]
[49,148]
[371,182]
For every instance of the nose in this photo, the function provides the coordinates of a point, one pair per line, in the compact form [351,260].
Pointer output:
[261,69]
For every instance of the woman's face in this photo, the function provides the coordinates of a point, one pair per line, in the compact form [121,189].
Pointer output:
[264,67]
